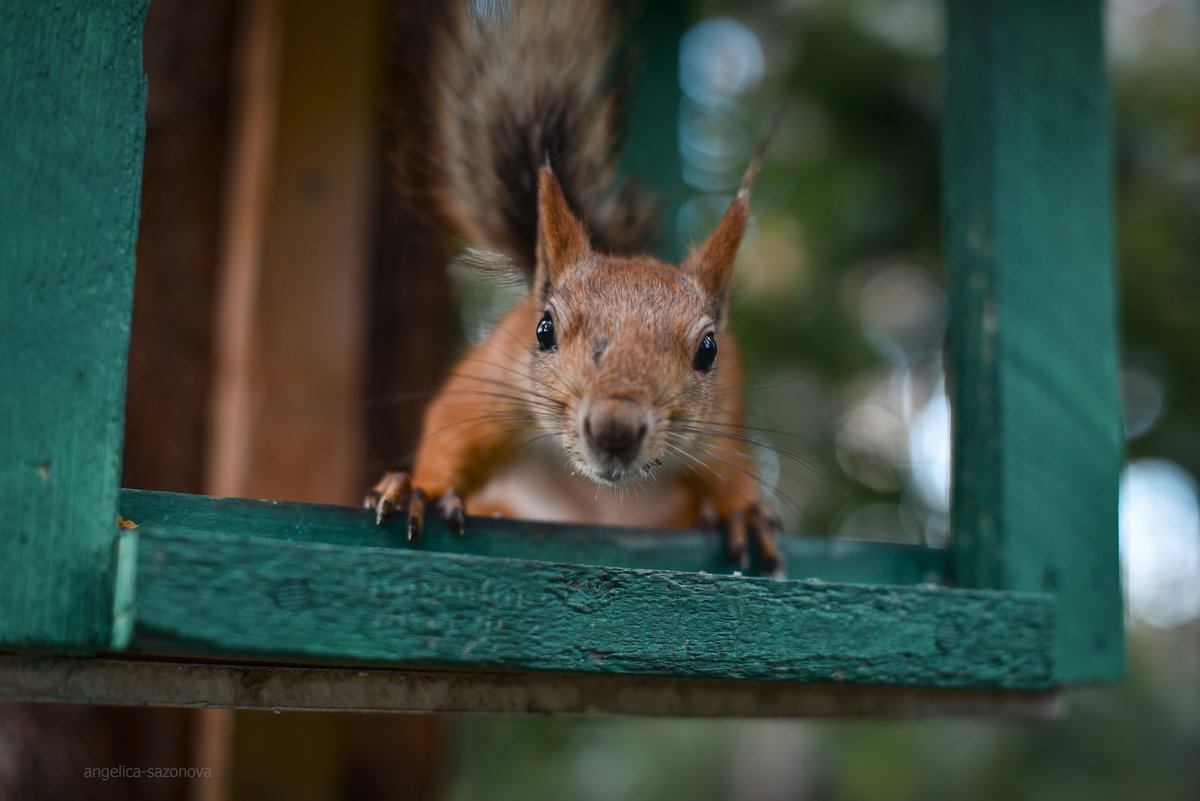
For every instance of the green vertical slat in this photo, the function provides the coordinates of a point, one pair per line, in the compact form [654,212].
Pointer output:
[652,156]
[74,97]
[1028,203]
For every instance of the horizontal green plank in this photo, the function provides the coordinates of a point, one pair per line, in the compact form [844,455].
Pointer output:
[807,557]
[224,595]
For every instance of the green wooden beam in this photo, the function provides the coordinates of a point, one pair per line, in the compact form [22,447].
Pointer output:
[219,595]
[74,100]
[1028,204]
[807,557]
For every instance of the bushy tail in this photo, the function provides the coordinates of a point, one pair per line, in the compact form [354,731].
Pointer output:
[511,85]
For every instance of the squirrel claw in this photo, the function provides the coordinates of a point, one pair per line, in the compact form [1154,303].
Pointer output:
[748,531]
[416,515]
[382,509]
[388,493]
[451,505]
[733,530]
[395,491]
[735,541]
[765,526]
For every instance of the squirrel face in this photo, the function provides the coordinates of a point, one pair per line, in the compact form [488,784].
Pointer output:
[625,354]
[624,348]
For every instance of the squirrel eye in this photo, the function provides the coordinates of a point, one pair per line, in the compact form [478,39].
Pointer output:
[706,353]
[545,333]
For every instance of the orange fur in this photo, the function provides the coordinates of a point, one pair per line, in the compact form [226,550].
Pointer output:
[650,316]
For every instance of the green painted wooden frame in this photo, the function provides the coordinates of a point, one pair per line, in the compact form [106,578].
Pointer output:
[1028,188]
[1027,597]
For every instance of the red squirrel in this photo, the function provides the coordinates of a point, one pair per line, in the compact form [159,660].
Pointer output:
[611,393]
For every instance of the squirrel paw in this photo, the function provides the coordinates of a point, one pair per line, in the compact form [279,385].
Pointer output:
[750,529]
[451,507]
[395,491]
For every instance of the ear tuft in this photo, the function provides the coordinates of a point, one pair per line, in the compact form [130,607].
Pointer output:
[561,238]
[712,263]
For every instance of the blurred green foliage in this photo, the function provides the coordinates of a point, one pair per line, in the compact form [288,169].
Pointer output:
[854,169]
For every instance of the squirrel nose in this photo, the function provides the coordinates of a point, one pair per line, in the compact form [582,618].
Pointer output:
[615,427]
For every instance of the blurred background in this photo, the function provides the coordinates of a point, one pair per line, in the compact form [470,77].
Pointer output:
[841,307]
[268,227]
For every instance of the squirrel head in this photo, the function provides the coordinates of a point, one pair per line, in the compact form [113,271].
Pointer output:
[625,349]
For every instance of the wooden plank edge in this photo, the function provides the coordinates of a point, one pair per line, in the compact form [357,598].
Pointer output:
[613,546]
[132,681]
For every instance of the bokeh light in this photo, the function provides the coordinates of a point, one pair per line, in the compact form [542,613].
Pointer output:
[1160,543]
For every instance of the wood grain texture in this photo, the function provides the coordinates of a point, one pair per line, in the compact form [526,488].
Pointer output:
[807,557]
[205,593]
[289,357]
[1028,204]
[132,680]
[247,183]
[308,341]
[74,102]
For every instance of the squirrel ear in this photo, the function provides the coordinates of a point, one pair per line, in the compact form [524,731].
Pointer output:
[712,262]
[561,238]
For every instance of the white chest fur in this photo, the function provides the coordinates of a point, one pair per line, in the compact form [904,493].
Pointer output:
[538,485]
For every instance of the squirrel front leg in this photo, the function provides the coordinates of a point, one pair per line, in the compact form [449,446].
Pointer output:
[729,498]
[467,433]
[471,428]
[727,492]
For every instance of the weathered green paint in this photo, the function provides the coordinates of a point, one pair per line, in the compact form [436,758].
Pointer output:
[235,596]
[807,557]
[125,588]
[74,98]
[1028,204]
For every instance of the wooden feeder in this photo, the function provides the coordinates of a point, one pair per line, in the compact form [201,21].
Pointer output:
[246,603]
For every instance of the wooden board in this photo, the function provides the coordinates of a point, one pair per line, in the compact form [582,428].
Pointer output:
[291,327]
[128,680]
[807,557]
[1028,204]
[212,593]
[74,102]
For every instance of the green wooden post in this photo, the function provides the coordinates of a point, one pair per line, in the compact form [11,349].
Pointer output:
[1028,204]
[652,156]
[74,98]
